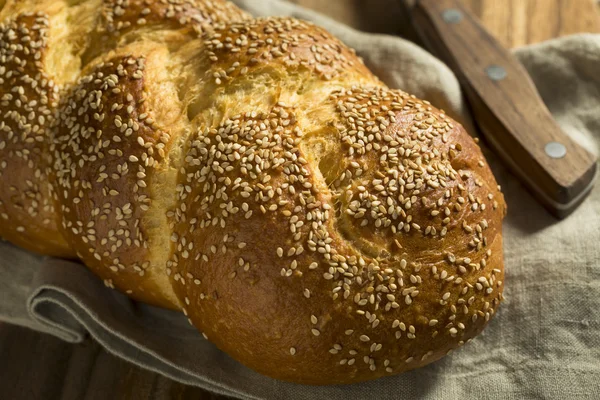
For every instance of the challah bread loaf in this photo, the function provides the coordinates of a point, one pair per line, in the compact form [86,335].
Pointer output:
[316,225]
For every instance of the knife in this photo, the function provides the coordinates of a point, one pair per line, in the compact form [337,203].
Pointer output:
[507,107]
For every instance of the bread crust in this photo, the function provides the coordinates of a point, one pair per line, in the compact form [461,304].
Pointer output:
[284,276]
[28,100]
[314,224]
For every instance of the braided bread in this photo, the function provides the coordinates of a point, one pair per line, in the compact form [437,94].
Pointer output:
[314,224]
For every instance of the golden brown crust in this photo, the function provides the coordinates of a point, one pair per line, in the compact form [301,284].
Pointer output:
[95,225]
[28,99]
[240,48]
[314,224]
[279,278]
[107,149]
[201,15]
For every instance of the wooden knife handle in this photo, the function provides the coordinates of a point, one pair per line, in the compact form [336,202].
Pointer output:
[507,106]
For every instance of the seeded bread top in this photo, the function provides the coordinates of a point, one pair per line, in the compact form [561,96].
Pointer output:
[316,225]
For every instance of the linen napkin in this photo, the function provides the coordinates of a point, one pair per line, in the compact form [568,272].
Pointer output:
[544,342]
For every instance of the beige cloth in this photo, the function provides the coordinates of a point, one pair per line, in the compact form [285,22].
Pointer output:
[544,343]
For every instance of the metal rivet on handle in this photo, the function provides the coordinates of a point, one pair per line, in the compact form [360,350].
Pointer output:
[555,150]
[452,16]
[495,72]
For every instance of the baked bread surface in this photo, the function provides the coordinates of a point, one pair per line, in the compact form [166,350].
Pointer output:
[314,224]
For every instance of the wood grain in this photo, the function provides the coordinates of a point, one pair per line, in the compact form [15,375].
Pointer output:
[513,22]
[519,22]
[38,366]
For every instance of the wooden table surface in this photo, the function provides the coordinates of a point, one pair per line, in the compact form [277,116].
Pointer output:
[37,366]
[514,22]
